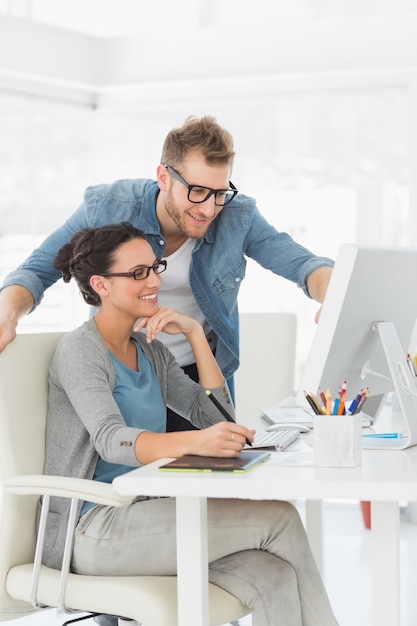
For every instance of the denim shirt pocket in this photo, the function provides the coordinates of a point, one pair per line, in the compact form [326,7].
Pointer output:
[227,284]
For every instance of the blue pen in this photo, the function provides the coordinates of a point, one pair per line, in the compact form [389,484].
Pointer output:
[354,404]
[384,435]
[358,402]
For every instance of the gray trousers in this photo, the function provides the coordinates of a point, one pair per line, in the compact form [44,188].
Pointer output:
[258,551]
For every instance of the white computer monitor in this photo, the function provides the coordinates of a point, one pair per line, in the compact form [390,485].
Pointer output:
[366,329]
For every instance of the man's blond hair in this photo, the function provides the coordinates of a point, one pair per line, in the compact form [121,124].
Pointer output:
[202,135]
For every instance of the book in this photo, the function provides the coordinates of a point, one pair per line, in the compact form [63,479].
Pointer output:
[246,460]
[288,415]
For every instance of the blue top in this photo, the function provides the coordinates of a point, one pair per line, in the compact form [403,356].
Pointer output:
[218,261]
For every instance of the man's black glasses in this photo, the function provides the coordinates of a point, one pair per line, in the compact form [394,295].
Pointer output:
[142,272]
[198,194]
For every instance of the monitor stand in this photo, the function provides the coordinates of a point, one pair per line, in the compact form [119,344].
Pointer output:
[404,385]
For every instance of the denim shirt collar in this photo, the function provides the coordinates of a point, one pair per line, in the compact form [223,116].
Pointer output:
[147,219]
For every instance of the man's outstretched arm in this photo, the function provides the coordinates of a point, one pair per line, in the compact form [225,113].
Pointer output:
[317,284]
[15,302]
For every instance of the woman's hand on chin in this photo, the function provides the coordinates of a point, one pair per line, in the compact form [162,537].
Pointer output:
[168,321]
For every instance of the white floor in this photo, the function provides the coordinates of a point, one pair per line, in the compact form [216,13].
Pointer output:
[347,570]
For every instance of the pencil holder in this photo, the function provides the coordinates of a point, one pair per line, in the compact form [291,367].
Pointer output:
[337,440]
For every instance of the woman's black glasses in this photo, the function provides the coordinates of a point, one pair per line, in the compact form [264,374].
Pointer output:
[142,272]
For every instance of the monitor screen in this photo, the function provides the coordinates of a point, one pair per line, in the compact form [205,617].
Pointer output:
[369,284]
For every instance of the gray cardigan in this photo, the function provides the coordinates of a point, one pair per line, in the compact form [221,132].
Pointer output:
[84,420]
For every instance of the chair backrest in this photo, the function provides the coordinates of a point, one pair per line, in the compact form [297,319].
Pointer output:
[267,362]
[24,367]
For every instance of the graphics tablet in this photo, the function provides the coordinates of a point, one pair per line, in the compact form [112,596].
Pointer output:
[246,460]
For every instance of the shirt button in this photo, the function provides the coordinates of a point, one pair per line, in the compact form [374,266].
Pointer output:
[237,279]
[161,242]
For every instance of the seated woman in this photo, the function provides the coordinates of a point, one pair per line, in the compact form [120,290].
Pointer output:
[109,390]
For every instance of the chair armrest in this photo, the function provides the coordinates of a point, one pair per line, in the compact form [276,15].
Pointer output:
[75,489]
[66,487]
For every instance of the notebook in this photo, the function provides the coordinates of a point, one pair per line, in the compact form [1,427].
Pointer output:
[288,415]
[246,460]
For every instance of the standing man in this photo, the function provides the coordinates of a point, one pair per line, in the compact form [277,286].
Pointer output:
[194,217]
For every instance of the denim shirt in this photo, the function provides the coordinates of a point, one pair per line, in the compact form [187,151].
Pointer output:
[218,261]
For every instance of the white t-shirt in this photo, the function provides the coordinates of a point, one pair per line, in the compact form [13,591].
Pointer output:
[175,292]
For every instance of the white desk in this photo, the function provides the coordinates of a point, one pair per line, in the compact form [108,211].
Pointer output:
[385,478]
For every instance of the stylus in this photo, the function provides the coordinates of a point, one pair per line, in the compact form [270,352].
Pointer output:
[384,435]
[223,411]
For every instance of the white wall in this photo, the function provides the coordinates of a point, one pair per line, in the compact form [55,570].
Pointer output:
[280,56]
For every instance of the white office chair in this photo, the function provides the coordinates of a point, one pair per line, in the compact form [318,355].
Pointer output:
[25,584]
[267,362]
